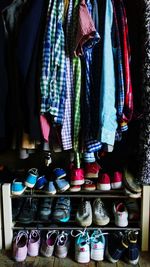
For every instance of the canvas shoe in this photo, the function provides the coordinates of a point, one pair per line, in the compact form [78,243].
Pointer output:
[130,181]
[82,247]
[132,253]
[116,180]
[59,173]
[41,182]
[48,244]
[103,182]
[121,214]
[88,185]
[31,178]
[117,244]
[17,187]
[97,245]
[92,170]
[77,176]
[50,188]
[45,208]
[100,215]
[84,214]
[62,245]
[62,185]
[20,242]
[34,243]
[75,188]
[62,209]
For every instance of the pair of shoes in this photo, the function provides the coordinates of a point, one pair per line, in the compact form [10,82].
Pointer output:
[105,182]
[28,211]
[62,209]
[87,186]
[54,240]
[26,243]
[123,245]
[61,186]
[96,213]
[121,214]
[87,247]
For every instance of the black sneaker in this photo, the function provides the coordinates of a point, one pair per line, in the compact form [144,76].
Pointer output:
[29,211]
[132,253]
[16,207]
[116,246]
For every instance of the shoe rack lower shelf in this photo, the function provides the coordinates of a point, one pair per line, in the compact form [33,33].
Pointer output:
[10,226]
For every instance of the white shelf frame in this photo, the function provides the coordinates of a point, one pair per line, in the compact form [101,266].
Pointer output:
[8,224]
[1,222]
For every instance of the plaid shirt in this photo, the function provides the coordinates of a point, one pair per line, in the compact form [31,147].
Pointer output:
[53,76]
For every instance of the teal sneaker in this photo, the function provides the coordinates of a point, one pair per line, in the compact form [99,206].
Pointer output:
[17,187]
[31,178]
[62,210]
[82,246]
[97,245]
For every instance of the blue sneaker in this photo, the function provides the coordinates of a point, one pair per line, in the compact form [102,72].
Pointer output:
[62,209]
[59,173]
[50,188]
[41,182]
[31,178]
[132,253]
[17,187]
[62,185]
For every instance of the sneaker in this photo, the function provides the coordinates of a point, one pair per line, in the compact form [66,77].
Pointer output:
[31,178]
[29,211]
[132,253]
[17,204]
[75,188]
[100,215]
[48,244]
[92,170]
[88,185]
[130,182]
[34,243]
[120,214]
[82,247]
[62,209]
[45,209]
[131,194]
[59,173]
[103,182]
[50,188]
[116,180]
[77,176]
[62,245]
[17,187]
[97,245]
[133,209]
[20,241]
[84,214]
[41,182]
[62,185]
[116,246]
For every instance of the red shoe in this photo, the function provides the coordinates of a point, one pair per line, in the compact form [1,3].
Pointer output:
[92,170]
[77,176]
[103,182]
[88,185]
[116,181]
[75,188]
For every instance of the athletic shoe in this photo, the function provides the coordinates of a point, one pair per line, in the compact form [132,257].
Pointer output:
[45,208]
[20,241]
[34,243]
[50,188]
[100,215]
[88,185]
[97,245]
[84,214]
[131,194]
[116,246]
[41,182]
[59,173]
[116,180]
[121,214]
[62,185]
[103,182]
[17,187]
[133,209]
[31,178]
[77,176]
[75,188]
[130,182]
[92,170]
[62,245]
[48,244]
[132,253]
[29,211]
[82,247]
[62,209]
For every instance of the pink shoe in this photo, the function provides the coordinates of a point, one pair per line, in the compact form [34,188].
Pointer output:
[20,246]
[77,176]
[103,182]
[116,181]
[34,243]
[92,170]
[88,185]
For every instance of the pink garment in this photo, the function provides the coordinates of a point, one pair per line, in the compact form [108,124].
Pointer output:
[45,127]
[85,30]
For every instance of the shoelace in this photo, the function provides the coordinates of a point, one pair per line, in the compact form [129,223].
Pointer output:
[49,233]
[100,207]
[19,235]
[83,233]
[62,238]
[96,236]
[83,207]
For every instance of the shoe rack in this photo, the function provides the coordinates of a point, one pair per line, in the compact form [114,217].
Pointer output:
[10,226]
[1,224]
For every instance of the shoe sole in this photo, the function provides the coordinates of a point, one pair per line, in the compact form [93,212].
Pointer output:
[84,224]
[91,175]
[101,223]
[64,188]
[89,189]
[116,185]
[103,187]
[29,185]
[109,257]
[77,182]
[74,190]
[50,193]
[18,193]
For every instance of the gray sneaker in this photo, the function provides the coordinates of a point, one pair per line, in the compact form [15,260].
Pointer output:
[48,243]
[62,245]
[84,214]
[100,216]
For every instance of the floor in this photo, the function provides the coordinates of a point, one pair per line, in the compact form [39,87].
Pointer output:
[6,261]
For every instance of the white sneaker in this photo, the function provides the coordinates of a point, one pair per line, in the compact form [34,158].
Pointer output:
[100,216]
[97,245]
[62,245]
[84,214]
[47,247]
[82,247]
[120,214]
